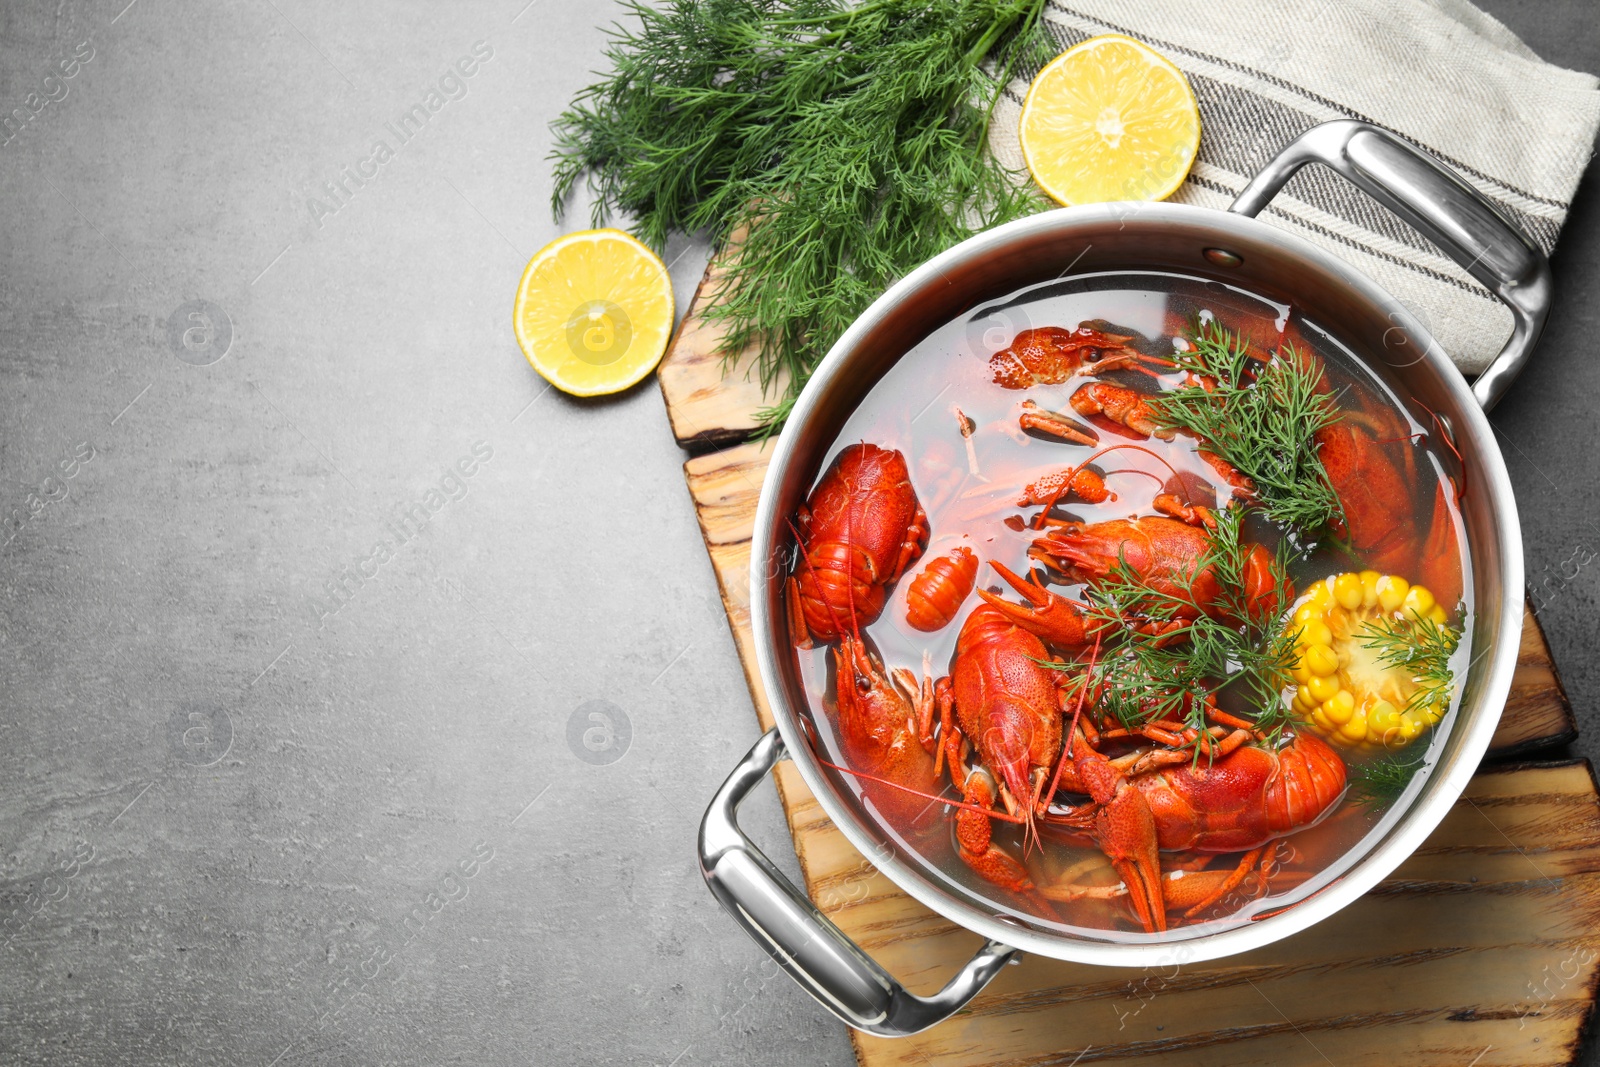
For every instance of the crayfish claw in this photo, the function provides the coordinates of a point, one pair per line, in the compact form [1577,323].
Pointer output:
[1194,514]
[1049,616]
[1055,424]
[1126,407]
[974,835]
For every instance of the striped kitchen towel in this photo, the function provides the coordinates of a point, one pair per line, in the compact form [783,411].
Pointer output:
[1440,73]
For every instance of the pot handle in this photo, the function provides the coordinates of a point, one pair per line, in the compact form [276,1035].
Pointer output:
[1443,208]
[803,941]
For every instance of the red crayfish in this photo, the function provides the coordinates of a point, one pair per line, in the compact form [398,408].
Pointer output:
[1051,355]
[1167,554]
[859,530]
[1002,703]
[1238,797]
[886,731]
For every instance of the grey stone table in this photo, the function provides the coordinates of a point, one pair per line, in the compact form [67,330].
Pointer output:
[361,695]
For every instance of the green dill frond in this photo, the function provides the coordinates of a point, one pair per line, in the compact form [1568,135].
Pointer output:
[1173,658]
[1383,780]
[1262,416]
[1423,649]
[837,144]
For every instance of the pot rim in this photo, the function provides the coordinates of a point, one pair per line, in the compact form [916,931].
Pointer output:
[1414,824]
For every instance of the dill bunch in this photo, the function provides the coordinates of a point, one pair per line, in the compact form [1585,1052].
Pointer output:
[1262,417]
[837,144]
[1169,672]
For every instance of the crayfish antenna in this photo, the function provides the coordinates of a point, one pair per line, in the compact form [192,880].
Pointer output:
[923,793]
[926,707]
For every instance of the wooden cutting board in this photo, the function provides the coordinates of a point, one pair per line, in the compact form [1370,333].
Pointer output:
[1483,949]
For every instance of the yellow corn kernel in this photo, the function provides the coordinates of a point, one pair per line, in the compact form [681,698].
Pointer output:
[1339,707]
[1319,597]
[1392,591]
[1355,729]
[1347,591]
[1419,601]
[1369,588]
[1322,722]
[1322,687]
[1437,614]
[1383,717]
[1316,632]
[1303,700]
[1319,659]
[1305,613]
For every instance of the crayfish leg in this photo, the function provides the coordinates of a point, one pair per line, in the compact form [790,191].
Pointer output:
[798,630]
[1227,885]
[950,740]
[1067,892]
[911,548]
[1441,560]
[975,839]
[1241,484]
[920,692]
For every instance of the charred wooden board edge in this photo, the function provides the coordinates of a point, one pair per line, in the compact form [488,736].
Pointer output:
[695,374]
[712,440]
[1496,758]
[1554,763]
[1545,689]
[1585,1029]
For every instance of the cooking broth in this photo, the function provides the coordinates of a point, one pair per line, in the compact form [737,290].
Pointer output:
[969,487]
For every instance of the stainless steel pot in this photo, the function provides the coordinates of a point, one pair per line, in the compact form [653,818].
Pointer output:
[1234,248]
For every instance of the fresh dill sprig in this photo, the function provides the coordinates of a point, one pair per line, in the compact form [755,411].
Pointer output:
[836,144]
[1262,417]
[1174,657]
[1381,781]
[1421,647]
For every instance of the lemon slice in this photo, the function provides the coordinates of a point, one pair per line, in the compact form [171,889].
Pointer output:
[1109,119]
[594,312]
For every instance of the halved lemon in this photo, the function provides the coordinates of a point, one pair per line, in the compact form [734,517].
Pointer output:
[1109,119]
[594,312]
